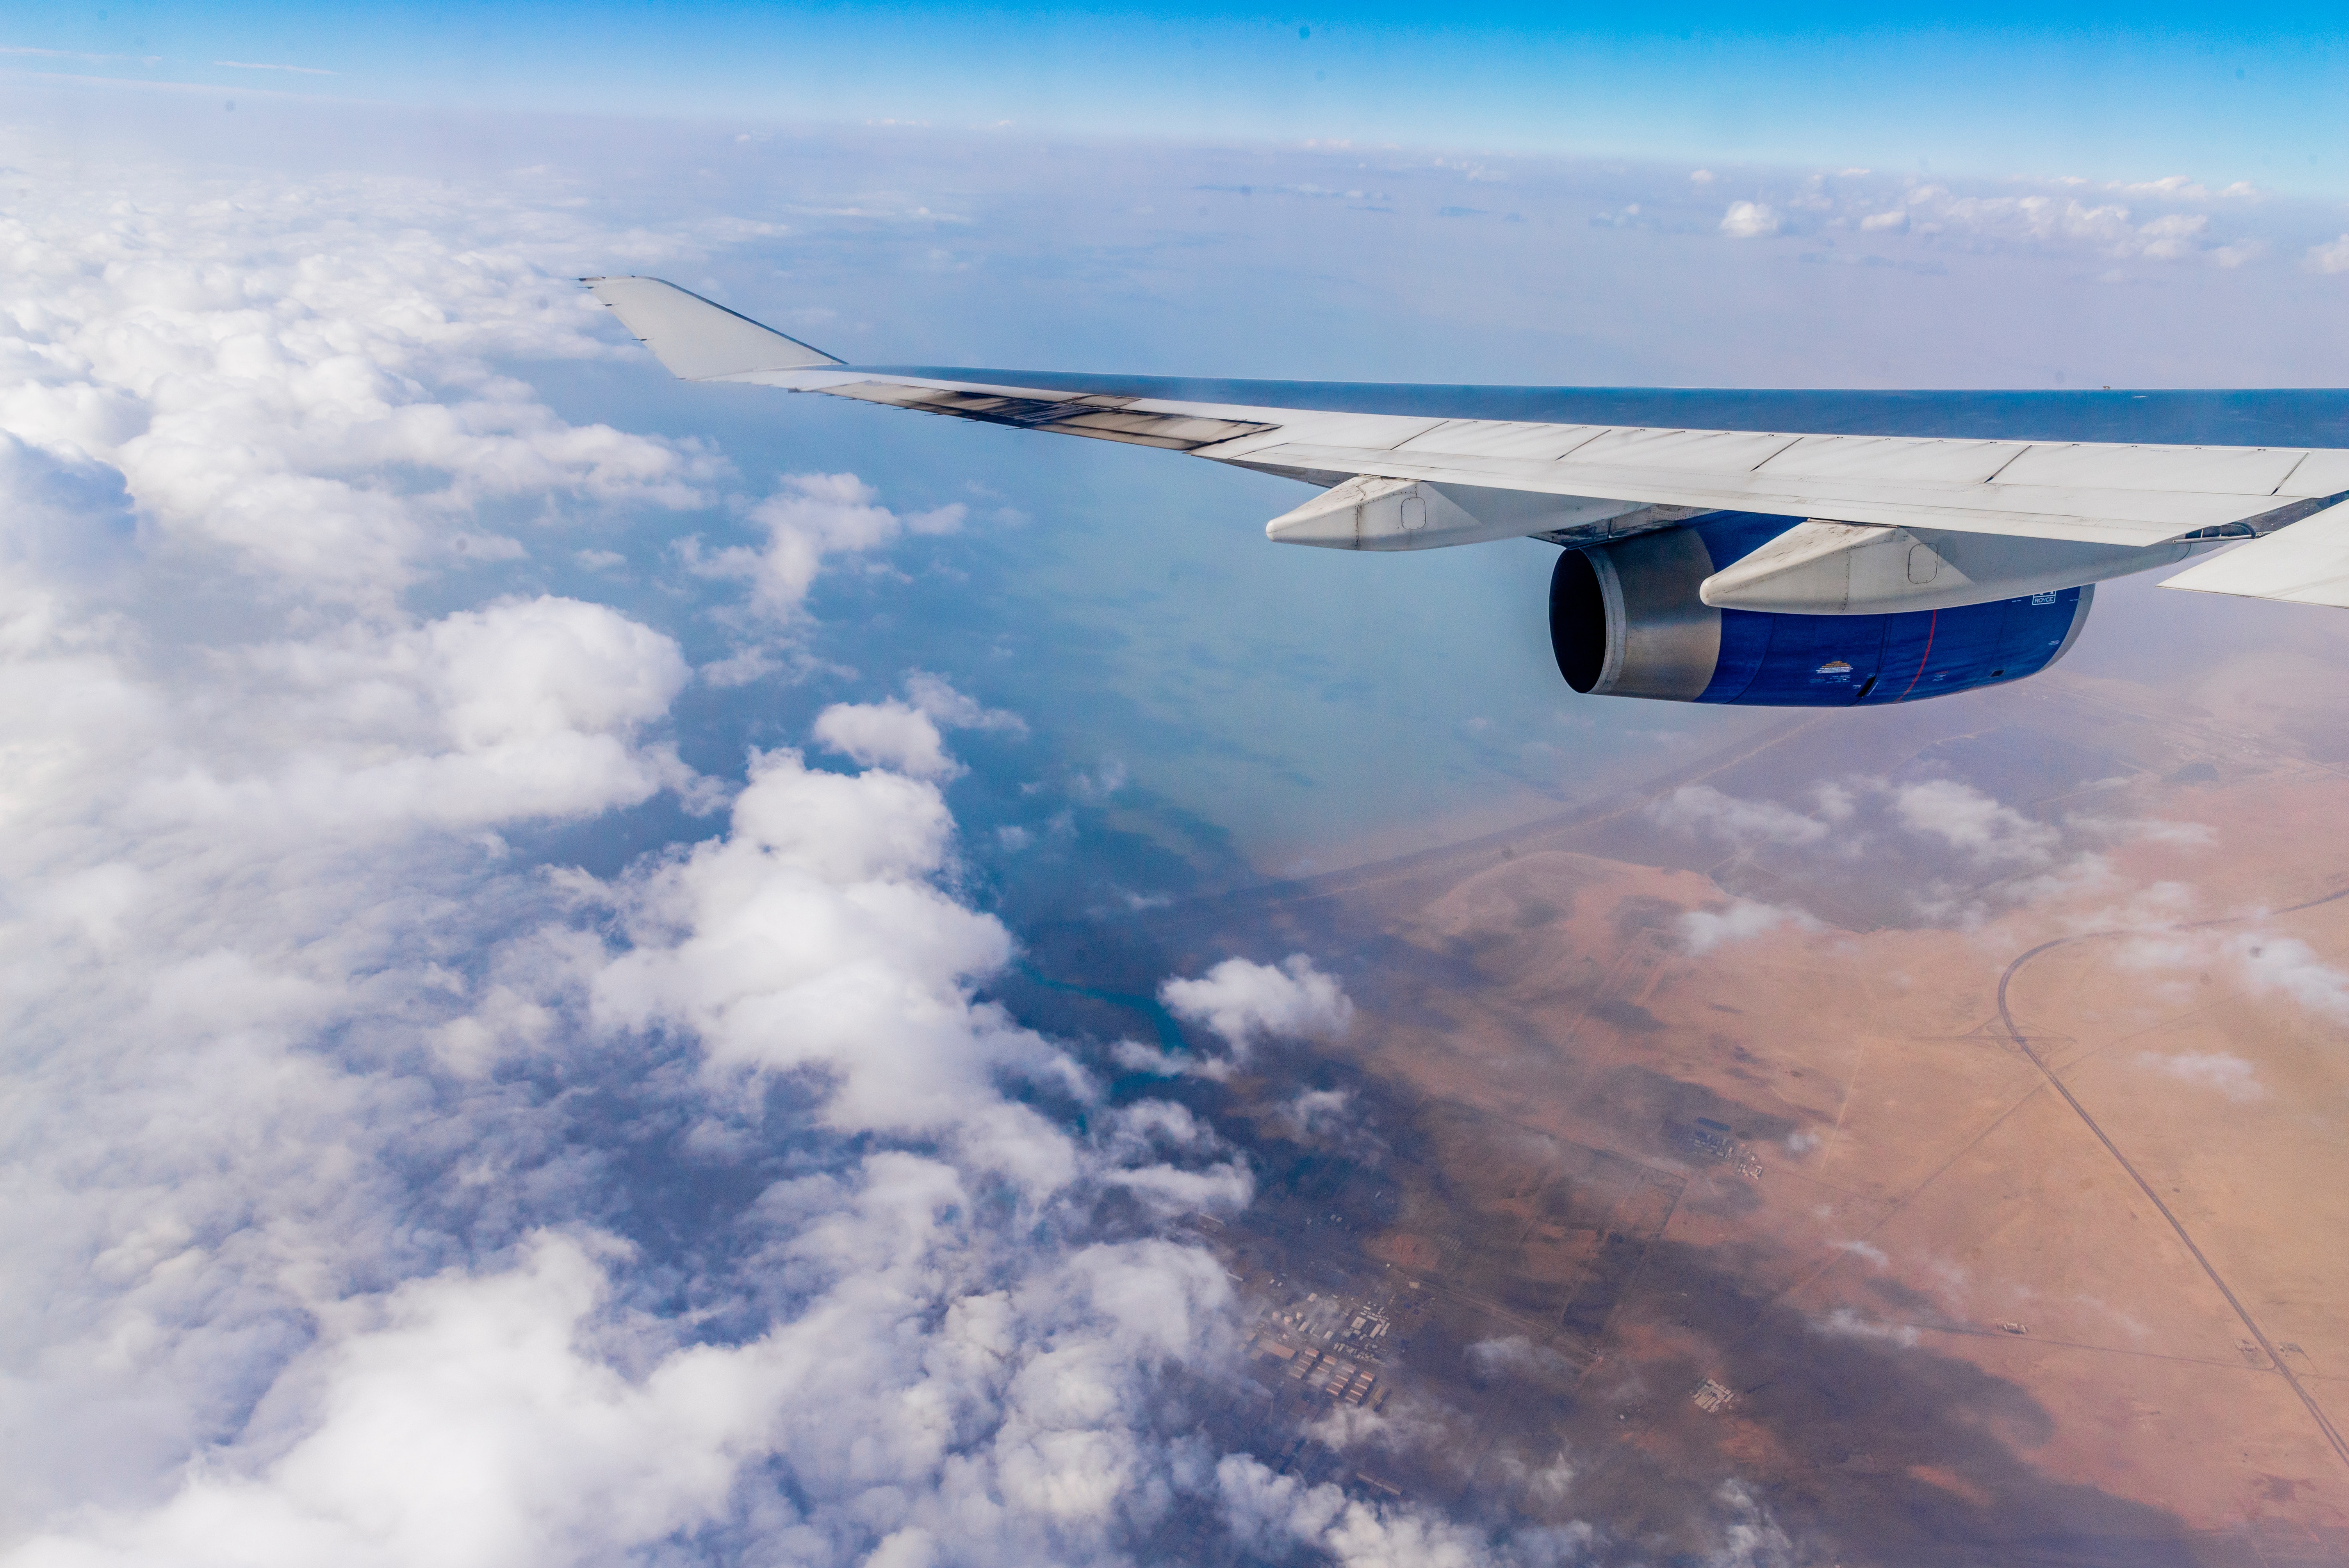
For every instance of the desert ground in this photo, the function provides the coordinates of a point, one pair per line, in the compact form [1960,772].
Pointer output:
[1931,1128]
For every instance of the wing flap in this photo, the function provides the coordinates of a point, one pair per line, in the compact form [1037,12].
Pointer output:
[1683,451]
[1104,418]
[2325,472]
[2306,563]
[1503,438]
[2235,471]
[1906,460]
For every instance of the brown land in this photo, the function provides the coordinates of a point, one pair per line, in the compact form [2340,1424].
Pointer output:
[2008,1202]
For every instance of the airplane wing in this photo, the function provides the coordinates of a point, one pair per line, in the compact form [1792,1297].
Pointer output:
[2308,564]
[1470,479]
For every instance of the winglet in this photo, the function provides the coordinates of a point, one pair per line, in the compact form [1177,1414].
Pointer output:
[697,339]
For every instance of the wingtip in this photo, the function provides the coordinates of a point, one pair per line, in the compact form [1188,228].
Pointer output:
[699,339]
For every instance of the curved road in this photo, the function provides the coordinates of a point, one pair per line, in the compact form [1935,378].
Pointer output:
[2251,1325]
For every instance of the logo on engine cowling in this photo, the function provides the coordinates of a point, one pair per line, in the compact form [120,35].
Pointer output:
[1835,667]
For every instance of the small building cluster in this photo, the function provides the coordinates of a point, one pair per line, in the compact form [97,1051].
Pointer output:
[1332,1346]
[1709,1140]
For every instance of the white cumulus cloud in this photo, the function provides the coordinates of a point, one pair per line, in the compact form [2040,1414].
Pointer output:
[905,735]
[810,519]
[1704,930]
[362,1155]
[1276,1514]
[254,368]
[1984,829]
[1241,1002]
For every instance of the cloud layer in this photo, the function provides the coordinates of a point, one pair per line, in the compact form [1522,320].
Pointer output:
[356,1165]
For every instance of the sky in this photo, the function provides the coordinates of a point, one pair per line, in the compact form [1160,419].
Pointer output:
[507,853]
[2219,94]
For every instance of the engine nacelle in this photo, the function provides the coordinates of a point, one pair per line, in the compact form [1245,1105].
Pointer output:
[1624,620]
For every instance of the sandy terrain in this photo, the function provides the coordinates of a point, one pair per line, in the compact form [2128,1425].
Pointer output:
[2060,1283]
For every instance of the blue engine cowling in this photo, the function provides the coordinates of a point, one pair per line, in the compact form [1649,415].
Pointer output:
[1625,621]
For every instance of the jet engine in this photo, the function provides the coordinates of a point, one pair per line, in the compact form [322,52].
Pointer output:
[1625,619]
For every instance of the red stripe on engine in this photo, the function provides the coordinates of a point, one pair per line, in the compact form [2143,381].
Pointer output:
[1928,654]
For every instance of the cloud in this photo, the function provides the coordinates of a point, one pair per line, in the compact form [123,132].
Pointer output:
[1099,783]
[2154,829]
[1319,1112]
[2173,236]
[2285,964]
[2330,257]
[905,735]
[467,1422]
[1964,853]
[1700,808]
[1749,220]
[1985,831]
[1514,1354]
[275,1332]
[2168,185]
[1703,930]
[1546,1485]
[250,372]
[809,519]
[2058,220]
[1240,1002]
[886,735]
[1276,1514]
[1751,1539]
[1844,1323]
[523,708]
[812,934]
[935,697]
[2229,1074]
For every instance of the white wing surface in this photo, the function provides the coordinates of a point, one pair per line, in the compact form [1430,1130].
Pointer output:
[2084,492]
[2306,565]
[697,339]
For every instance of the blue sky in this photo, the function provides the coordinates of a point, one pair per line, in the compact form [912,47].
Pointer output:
[2238,93]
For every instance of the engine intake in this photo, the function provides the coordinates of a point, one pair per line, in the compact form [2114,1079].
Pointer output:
[1624,620]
